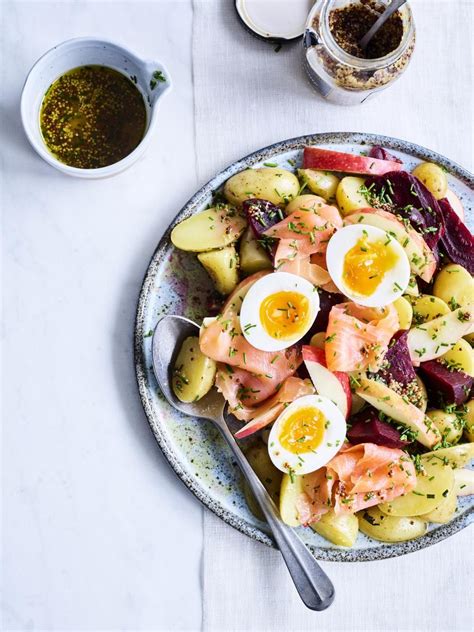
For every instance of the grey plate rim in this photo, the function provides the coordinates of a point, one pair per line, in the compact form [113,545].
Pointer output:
[334,555]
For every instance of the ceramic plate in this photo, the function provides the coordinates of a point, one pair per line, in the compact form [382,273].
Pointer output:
[175,283]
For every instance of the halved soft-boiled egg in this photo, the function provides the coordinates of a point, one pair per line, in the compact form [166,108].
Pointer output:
[308,433]
[368,265]
[278,310]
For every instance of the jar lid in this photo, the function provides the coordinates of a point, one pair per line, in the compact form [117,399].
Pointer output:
[275,20]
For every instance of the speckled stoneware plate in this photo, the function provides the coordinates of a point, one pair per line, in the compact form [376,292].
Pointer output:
[175,283]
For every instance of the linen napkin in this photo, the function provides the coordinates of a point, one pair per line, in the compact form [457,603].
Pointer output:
[247,96]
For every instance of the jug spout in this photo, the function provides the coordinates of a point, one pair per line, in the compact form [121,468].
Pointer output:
[158,80]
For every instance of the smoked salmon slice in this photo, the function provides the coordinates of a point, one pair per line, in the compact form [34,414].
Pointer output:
[357,337]
[357,477]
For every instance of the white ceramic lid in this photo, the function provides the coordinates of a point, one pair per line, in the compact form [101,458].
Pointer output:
[275,19]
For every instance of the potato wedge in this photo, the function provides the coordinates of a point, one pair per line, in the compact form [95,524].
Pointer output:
[404,311]
[253,257]
[215,228]
[445,511]
[318,340]
[291,488]
[455,286]
[427,307]
[464,482]
[307,201]
[348,195]
[377,525]
[339,529]
[193,373]
[392,404]
[267,183]
[448,424]
[270,476]
[321,183]
[222,266]
[433,177]
[456,456]
[432,339]
[460,357]
[433,484]
[469,421]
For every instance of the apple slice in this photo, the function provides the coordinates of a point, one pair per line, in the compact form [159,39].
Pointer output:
[456,204]
[328,160]
[380,396]
[421,258]
[334,385]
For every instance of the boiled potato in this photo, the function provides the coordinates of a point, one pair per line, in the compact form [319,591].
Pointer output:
[404,311]
[307,202]
[222,266]
[464,482]
[193,373]
[348,195]
[339,529]
[318,340]
[456,456]
[433,177]
[291,488]
[379,526]
[423,405]
[253,257]
[448,424]
[445,511]
[412,288]
[211,229]
[433,484]
[321,183]
[270,476]
[469,421]
[460,357]
[426,308]
[455,286]
[267,183]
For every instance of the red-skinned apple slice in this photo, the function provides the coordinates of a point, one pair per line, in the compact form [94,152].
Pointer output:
[456,204]
[334,385]
[328,160]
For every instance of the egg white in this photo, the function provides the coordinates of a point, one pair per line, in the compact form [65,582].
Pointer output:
[333,437]
[394,282]
[252,327]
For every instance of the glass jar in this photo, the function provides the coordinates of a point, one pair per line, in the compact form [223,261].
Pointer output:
[341,77]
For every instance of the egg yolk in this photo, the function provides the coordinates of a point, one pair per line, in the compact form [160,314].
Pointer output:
[366,264]
[284,314]
[303,430]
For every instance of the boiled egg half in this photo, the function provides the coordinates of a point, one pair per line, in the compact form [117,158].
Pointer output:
[278,310]
[308,433]
[368,265]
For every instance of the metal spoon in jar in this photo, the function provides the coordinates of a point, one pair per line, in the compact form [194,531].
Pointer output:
[392,7]
[312,583]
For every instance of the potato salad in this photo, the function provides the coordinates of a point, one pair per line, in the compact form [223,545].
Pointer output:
[343,341]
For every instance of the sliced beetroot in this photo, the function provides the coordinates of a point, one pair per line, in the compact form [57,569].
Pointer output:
[397,366]
[327,300]
[445,386]
[367,427]
[382,154]
[412,201]
[261,215]
[457,242]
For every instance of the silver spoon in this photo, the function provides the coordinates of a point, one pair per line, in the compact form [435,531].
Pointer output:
[392,7]
[312,583]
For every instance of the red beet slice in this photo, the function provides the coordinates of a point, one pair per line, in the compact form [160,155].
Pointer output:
[397,366]
[445,386]
[327,300]
[262,215]
[457,242]
[412,201]
[382,154]
[367,427]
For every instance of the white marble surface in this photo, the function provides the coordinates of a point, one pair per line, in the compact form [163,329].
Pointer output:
[98,534]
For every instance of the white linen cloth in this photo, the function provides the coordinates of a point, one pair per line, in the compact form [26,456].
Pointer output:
[247,96]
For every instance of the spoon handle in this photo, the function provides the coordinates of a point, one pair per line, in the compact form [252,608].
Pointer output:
[392,7]
[311,582]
